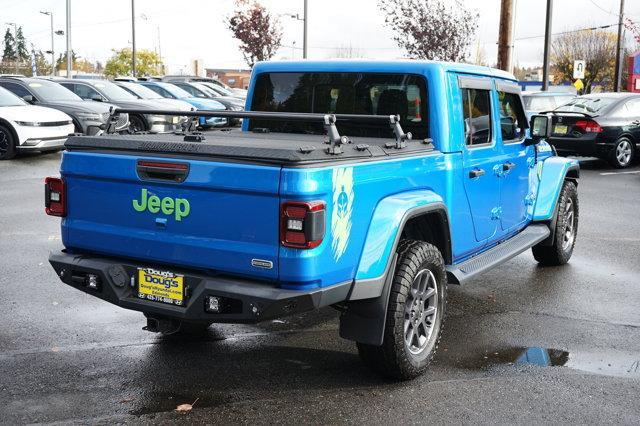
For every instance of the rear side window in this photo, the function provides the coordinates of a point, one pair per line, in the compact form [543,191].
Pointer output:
[476,107]
[343,93]
[17,89]
[512,118]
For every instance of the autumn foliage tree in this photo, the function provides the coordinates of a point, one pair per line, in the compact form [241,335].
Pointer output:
[431,29]
[147,63]
[258,31]
[596,48]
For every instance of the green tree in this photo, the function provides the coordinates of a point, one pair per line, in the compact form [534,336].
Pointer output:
[43,66]
[9,52]
[21,46]
[120,63]
[61,62]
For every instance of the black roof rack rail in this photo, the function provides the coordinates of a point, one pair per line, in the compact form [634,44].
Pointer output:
[335,140]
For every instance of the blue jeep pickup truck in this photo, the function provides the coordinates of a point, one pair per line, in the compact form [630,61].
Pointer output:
[368,186]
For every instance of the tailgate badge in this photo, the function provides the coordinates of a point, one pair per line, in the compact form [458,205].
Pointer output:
[260,263]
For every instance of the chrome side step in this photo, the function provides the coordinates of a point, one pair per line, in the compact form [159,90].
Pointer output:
[497,255]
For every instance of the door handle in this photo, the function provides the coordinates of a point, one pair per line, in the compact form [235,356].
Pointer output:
[476,173]
[508,166]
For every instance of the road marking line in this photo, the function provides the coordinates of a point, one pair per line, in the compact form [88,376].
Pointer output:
[620,173]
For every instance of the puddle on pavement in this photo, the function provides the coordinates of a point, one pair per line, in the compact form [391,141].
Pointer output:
[619,364]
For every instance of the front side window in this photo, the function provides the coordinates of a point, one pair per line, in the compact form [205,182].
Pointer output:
[512,118]
[343,93]
[16,89]
[9,99]
[476,107]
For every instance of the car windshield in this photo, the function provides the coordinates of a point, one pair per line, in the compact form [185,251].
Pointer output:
[206,89]
[9,99]
[538,103]
[141,91]
[49,91]
[343,93]
[175,90]
[113,92]
[590,105]
[219,90]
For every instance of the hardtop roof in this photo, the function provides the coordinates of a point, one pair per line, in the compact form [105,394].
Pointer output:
[367,65]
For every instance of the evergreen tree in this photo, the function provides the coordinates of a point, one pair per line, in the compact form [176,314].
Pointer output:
[21,46]
[9,52]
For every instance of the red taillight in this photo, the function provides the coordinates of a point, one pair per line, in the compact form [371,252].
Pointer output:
[162,165]
[588,126]
[302,224]
[55,195]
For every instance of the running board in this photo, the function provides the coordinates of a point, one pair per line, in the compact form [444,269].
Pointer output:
[497,255]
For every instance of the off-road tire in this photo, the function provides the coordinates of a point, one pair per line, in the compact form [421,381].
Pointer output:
[394,359]
[136,124]
[7,144]
[561,250]
[623,153]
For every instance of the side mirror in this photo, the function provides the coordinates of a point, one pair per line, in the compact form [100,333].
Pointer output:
[97,98]
[29,99]
[540,126]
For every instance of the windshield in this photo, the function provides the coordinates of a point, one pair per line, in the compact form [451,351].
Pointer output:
[113,92]
[175,90]
[218,90]
[589,105]
[210,92]
[49,91]
[140,91]
[538,103]
[343,93]
[9,99]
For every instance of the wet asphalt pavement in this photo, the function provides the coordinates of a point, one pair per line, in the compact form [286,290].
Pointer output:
[67,357]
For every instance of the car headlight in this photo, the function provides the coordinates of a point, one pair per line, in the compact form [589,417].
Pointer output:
[92,116]
[163,119]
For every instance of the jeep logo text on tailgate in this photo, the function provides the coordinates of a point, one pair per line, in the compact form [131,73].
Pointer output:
[178,207]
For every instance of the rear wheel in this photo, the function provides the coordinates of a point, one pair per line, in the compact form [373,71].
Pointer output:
[415,314]
[622,154]
[566,230]
[7,144]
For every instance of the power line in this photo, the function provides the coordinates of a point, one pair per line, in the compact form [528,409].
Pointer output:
[569,32]
[602,8]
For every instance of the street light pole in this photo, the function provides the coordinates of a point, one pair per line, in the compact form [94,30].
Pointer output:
[53,61]
[133,37]
[69,54]
[618,74]
[547,46]
[304,37]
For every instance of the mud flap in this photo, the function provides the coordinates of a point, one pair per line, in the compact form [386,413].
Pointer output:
[364,320]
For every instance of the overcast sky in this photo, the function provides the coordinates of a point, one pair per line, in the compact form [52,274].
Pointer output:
[190,29]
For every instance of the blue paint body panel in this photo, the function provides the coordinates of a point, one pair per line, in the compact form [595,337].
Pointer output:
[235,207]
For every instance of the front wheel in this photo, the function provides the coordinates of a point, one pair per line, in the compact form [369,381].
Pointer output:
[566,230]
[622,154]
[136,124]
[7,144]
[415,314]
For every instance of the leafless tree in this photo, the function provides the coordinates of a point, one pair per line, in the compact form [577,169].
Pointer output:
[596,48]
[258,31]
[431,29]
[348,51]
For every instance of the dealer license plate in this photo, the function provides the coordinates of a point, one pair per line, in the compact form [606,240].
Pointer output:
[560,129]
[160,286]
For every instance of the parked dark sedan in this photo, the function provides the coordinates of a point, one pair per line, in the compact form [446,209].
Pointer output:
[106,91]
[88,118]
[604,125]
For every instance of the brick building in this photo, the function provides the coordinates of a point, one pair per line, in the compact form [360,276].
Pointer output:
[237,78]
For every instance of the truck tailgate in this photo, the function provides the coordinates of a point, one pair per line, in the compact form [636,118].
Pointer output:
[221,217]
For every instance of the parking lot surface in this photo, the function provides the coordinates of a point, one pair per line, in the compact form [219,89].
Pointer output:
[67,357]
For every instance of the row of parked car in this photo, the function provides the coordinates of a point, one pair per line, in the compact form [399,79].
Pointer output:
[37,114]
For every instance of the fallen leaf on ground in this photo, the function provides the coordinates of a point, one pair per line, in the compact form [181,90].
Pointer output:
[185,408]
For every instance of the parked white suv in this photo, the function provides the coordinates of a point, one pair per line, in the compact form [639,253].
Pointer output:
[25,127]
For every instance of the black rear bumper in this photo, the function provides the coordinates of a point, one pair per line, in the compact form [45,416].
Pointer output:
[249,301]
[587,145]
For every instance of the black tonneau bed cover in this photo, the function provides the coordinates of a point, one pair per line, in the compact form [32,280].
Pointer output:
[272,148]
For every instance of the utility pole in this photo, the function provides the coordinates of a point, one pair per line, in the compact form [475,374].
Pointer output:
[15,42]
[304,37]
[547,46]
[133,37]
[69,50]
[53,60]
[505,38]
[618,72]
